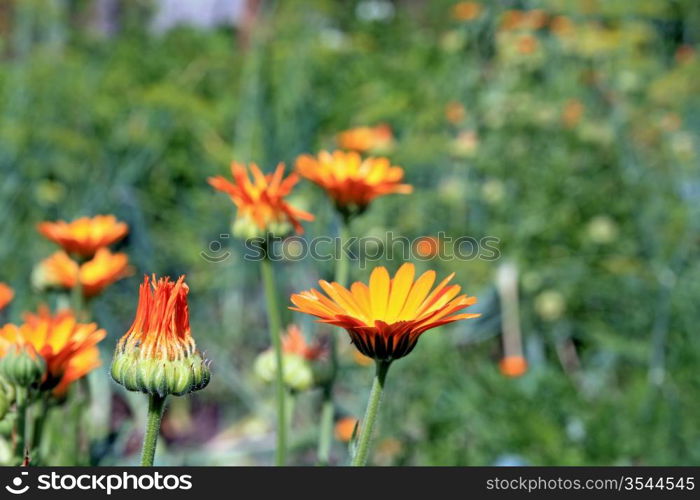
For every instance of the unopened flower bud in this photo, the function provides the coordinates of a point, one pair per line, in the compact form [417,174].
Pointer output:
[158,354]
[298,374]
[22,366]
[7,396]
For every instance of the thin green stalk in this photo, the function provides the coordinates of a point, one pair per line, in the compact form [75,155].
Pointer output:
[342,271]
[367,424]
[41,408]
[156,404]
[76,298]
[342,267]
[275,326]
[22,404]
[326,430]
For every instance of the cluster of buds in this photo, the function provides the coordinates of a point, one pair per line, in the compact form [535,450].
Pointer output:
[157,355]
[302,369]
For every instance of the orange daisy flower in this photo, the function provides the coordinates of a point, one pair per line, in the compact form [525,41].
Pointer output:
[513,366]
[68,347]
[60,271]
[365,139]
[104,269]
[386,318]
[349,179]
[294,342]
[262,200]
[56,271]
[6,295]
[86,235]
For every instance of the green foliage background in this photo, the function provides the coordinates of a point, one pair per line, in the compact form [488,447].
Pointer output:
[133,124]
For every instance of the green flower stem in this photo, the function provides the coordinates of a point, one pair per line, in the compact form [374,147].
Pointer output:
[342,271]
[41,408]
[156,404]
[342,268]
[275,326]
[21,398]
[326,430]
[76,299]
[367,424]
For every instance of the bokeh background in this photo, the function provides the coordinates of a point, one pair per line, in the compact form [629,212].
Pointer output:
[568,129]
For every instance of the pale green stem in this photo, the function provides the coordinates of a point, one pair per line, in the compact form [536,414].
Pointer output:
[156,404]
[22,404]
[77,300]
[342,271]
[275,326]
[326,430]
[367,424]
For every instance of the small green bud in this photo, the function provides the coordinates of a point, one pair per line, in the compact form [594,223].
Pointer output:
[246,228]
[161,377]
[298,374]
[22,367]
[7,396]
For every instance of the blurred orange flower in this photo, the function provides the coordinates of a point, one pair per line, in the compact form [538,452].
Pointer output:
[56,271]
[386,318]
[523,19]
[572,113]
[361,359]
[161,328]
[344,429]
[68,347]
[86,235]
[105,268]
[527,44]
[293,342]
[6,295]
[455,112]
[466,11]
[684,54]
[427,247]
[365,139]
[561,26]
[262,200]
[350,180]
[513,366]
